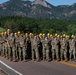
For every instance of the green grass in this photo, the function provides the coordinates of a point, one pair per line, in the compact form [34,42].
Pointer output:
[2,29]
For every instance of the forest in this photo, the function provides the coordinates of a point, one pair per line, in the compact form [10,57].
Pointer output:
[36,26]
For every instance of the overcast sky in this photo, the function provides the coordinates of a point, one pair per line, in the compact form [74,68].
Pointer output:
[54,2]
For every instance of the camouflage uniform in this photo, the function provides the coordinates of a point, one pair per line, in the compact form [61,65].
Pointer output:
[16,45]
[34,44]
[72,48]
[28,46]
[2,44]
[55,49]
[45,45]
[1,50]
[11,47]
[63,48]
[22,47]
[5,46]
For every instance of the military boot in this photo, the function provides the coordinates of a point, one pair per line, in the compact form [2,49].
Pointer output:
[37,60]
[25,60]
[20,59]
[66,60]
[75,60]
[44,59]
[58,60]
[10,59]
[14,60]
[48,60]
[7,58]
[61,59]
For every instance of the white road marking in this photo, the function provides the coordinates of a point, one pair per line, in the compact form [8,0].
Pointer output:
[10,68]
[4,71]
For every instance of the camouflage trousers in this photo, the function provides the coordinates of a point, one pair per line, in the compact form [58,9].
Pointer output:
[5,51]
[1,50]
[35,52]
[12,52]
[46,52]
[64,53]
[22,52]
[55,52]
[72,52]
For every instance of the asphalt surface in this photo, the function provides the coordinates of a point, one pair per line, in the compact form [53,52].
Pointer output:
[40,68]
[2,72]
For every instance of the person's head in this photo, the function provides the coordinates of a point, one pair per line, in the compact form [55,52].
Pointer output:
[63,38]
[11,34]
[35,37]
[72,39]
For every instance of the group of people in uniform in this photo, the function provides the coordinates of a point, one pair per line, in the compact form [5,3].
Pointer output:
[47,47]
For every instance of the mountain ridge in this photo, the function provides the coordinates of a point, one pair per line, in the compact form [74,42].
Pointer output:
[39,9]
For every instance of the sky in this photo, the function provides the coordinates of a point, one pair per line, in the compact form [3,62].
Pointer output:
[54,2]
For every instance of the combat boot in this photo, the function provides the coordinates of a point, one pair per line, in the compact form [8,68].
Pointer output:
[66,60]
[75,60]
[4,56]
[44,59]
[48,60]
[58,60]
[33,59]
[61,59]
[7,58]
[14,60]
[70,59]
[53,59]
[37,60]
[10,59]
[25,60]
[20,59]
[17,59]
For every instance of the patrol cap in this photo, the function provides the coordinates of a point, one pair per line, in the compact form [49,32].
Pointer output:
[43,34]
[72,35]
[67,36]
[61,36]
[48,34]
[8,29]
[56,34]
[18,32]
[51,35]
[64,35]
[15,33]
[4,32]
[26,34]
[40,34]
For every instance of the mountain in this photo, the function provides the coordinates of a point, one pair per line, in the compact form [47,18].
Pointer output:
[37,9]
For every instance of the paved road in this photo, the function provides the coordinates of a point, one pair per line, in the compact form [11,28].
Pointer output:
[41,68]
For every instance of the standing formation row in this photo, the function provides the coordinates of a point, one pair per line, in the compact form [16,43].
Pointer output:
[16,46]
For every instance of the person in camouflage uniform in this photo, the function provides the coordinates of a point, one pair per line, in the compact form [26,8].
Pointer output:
[45,45]
[5,45]
[22,47]
[11,47]
[28,45]
[55,49]
[1,45]
[17,45]
[72,48]
[35,52]
[63,43]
